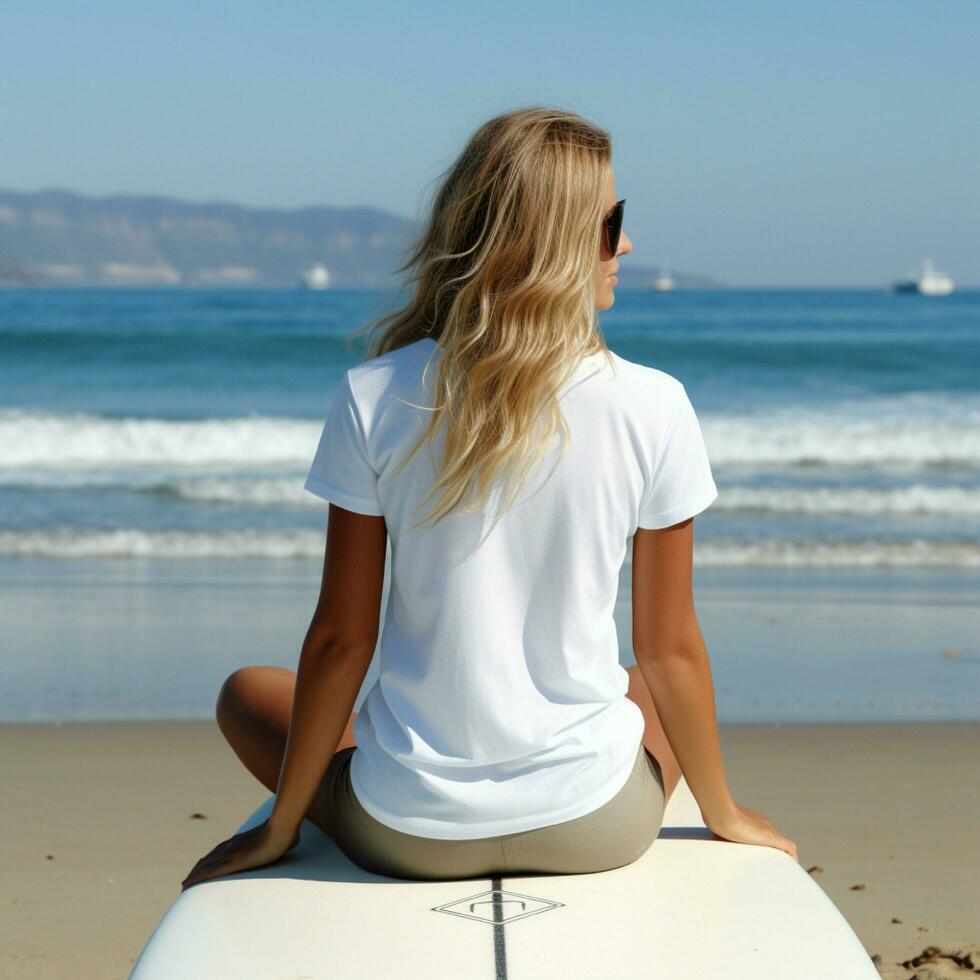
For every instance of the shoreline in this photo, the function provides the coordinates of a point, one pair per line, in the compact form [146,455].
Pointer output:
[153,640]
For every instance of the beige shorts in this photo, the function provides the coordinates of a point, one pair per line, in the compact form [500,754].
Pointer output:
[615,834]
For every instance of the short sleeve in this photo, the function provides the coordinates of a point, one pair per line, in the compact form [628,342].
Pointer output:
[681,484]
[341,472]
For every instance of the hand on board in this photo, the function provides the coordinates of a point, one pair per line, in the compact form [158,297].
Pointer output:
[250,849]
[747,826]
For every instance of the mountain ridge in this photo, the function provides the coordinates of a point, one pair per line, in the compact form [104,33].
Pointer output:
[58,237]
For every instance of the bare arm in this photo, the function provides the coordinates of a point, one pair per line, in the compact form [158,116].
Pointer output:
[335,657]
[672,657]
[673,660]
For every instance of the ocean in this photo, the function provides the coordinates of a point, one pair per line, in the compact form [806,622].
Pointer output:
[153,445]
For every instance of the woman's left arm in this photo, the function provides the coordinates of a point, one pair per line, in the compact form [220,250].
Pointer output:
[335,657]
[334,660]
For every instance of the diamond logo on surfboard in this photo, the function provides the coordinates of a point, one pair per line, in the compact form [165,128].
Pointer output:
[497,906]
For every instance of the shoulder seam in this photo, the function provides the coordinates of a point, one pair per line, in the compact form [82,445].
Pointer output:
[358,419]
[668,427]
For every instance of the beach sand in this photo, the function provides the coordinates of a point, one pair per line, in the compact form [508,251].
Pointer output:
[99,832]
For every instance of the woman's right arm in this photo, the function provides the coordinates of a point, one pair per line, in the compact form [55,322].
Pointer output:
[671,655]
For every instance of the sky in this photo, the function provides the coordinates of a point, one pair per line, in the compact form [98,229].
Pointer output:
[762,143]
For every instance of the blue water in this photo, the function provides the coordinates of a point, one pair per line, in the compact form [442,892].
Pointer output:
[843,426]
[154,533]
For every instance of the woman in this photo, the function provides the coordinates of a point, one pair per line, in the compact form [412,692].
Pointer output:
[510,457]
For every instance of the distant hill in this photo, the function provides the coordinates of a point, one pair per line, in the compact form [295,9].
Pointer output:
[63,238]
[59,238]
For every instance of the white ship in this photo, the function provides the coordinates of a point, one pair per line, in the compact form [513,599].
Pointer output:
[316,277]
[664,282]
[927,282]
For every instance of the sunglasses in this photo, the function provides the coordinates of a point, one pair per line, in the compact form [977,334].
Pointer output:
[612,227]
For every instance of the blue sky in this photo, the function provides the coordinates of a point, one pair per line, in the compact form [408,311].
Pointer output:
[763,143]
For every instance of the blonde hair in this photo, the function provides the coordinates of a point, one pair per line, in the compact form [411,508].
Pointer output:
[505,272]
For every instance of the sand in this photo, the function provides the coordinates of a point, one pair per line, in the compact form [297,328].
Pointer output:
[98,832]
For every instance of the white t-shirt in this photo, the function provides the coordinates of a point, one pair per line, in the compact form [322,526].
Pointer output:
[501,704]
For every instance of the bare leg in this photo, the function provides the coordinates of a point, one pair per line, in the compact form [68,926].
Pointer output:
[254,708]
[654,737]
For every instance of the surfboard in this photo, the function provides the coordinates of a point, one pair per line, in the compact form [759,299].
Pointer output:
[692,906]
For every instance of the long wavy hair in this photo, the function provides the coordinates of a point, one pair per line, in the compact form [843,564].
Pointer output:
[504,272]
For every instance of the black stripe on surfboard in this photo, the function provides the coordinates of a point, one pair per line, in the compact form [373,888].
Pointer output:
[499,942]
[497,899]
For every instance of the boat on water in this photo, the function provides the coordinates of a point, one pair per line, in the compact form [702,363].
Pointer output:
[926,282]
[316,277]
[664,282]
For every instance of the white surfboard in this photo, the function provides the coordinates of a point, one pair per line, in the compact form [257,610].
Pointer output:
[692,906]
